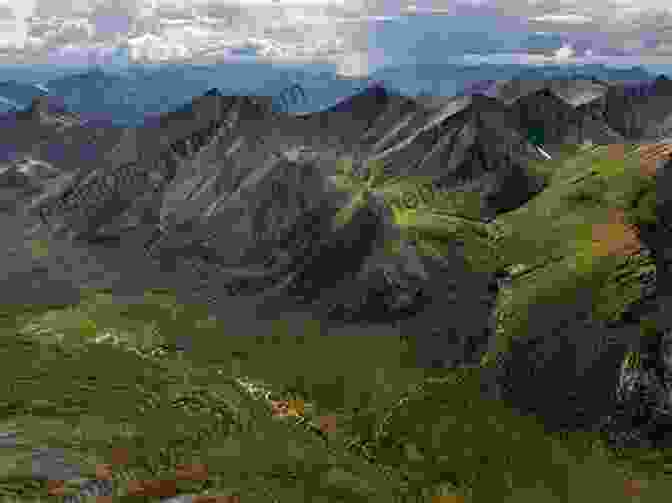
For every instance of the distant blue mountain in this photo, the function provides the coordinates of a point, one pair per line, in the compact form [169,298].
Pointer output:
[213,92]
[117,97]
[600,72]
[542,41]
[19,95]
[129,98]
[8,105]
[96,76]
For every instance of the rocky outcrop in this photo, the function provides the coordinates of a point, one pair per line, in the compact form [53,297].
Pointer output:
[661,234]
[470,143]
[554,112]
[564,362]
[120,187]
[563,119]
[23,129]
[46,148]
[27,173]
[343,124]
[579,110]
[637,115]
[643,414]
[274,227]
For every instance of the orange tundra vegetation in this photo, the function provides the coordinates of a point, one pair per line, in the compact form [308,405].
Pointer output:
[633,487]
[163,488]
[615,236]
[651,156]
[453,498]
[616,151]
[166,488]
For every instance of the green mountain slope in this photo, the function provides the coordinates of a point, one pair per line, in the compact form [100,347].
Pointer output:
[103,376]
[576,234]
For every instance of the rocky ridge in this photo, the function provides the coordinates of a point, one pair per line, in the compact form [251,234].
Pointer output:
[246,198]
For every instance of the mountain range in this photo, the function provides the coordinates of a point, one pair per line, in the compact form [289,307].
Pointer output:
[385,209]
[126,97]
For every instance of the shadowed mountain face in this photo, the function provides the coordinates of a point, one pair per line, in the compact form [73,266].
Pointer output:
[469,144]
[47,134]
[231,159]
[244,202]
[641,114]
[593,110]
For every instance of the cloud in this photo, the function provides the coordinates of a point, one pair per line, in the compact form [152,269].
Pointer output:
[414,9]
[345,32]
[85,55]
[6,12]
[565,52]
[110,24]
[353,65]
[563,18]
[152,47]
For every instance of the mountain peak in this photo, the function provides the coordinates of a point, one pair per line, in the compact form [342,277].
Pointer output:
[374,94]
[213,92]
[46,105]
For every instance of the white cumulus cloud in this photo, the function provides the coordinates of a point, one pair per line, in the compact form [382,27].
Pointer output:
[339,31]
[563,18]
[564,52]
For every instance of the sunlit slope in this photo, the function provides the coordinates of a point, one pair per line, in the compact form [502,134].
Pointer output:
[577,236]
[579,233]
[102,375]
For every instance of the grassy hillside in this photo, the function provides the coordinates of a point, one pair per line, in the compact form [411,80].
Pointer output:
[360,423]
[577,234]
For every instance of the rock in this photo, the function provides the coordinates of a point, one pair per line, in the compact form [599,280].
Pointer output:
[12,177]
[471,144]
[91,488]
[276,208]
[201,180]
[274,236]
[639,115]
[643,416]
[347,121]
[565,116]
[660,235]
[562,361]
[47,463]
[111,191]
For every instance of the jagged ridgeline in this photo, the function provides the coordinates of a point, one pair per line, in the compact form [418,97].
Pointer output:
[217,169]
[145,161]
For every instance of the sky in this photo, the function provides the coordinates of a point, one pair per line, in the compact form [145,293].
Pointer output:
[357,36]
